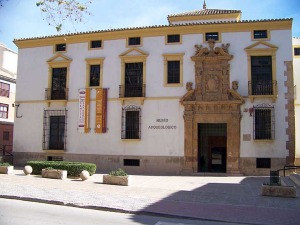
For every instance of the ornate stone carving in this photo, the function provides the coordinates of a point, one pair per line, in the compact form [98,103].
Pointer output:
[235,85]
[189,86]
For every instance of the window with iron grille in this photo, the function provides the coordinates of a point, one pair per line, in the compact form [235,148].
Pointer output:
[59,84]
[173,72]
[60,47]
[94,75]
[134,41]
[261,75]
[296,51]
[263,163]
[4,111]
[212,35]
[96,44]
[55,129]
[4,89]
[55,158]
[173,38]
[264,122]
[260,34]
[131,122]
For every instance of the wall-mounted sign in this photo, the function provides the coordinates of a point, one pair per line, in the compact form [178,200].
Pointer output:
[161,126]
[101,110]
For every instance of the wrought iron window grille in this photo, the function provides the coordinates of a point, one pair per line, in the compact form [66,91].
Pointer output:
[131,122]
[55,129]
[263,122]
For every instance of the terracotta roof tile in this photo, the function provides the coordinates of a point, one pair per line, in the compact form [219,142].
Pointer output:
[205,12]
[155,26]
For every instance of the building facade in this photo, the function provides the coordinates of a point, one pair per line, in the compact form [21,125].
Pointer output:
[207,93]
[296,67]
[8,73]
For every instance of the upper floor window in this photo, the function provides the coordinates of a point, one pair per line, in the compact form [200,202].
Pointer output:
[261,76]
[96,44]
[3,111]
[212,35]
[60,47]
[58,90]
[94,75]
[134,85]
[131,122]
[260,34]
[134,41]
[173,38]
[4,89]
[297,51]
[263,123]
[173,72]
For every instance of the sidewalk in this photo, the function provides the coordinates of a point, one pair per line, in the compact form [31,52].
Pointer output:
[230,199]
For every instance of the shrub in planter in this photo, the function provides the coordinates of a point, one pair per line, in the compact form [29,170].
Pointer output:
[73,168]
[116,177]
[6,168]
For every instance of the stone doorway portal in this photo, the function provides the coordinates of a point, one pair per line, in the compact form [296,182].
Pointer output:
[212,102]
[212,147]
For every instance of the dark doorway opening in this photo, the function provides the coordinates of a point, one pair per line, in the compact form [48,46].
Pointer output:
[212,147]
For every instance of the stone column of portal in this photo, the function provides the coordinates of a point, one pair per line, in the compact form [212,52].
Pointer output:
[188,140]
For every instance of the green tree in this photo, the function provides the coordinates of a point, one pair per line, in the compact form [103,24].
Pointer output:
[57,12]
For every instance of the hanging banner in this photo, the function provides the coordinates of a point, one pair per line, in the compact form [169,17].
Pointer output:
[81,110]
[101,110]
[87,111]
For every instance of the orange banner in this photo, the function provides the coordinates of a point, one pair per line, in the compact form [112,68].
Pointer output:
[101,105]
[87,112]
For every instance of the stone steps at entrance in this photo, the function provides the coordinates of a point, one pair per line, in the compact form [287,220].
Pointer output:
[295,178]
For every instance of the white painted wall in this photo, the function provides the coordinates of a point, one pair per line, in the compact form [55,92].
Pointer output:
[33,67]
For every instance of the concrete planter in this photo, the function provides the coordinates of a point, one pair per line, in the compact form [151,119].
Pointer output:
[54,174]
[116,180]
[7,169]
[279,191]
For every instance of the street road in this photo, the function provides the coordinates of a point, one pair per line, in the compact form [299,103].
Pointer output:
[16,212]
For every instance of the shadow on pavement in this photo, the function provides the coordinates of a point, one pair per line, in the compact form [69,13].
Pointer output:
[229,202]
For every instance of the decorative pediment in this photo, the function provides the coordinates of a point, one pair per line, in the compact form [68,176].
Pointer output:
[212,51]
[260,45]
[134,52]
[59,58]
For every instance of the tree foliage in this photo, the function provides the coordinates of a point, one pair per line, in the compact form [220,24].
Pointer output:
[57,12]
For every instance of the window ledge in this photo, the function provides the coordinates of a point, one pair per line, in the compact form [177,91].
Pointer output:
[57,101]
[54,151]
[263,140]
[142,99]
[273,97]
[134,140]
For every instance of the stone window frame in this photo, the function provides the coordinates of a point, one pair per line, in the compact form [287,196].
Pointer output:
[173,43]
[90,44]
[131,46]
[89,63]
[268,50]
[258,39]
[58,61]
[123,128]
[216,41]
[55,48]
[127,57]
[173,57]
[294,47]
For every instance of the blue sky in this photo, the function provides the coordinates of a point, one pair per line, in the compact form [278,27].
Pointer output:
[22,19]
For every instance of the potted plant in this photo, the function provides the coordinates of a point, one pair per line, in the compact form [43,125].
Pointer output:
[50,172]
[116,177]
[6,168]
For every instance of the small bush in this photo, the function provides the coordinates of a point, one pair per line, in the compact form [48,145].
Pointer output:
[73,168]
[4,164]
[119,172]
